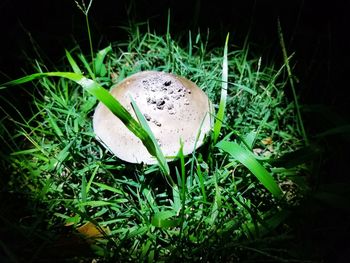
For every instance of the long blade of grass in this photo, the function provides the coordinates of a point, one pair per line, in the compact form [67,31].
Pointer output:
[83,189]
[100,69]
[215,209]
[221,112]
[98,203]
[176,199]
[291,81]
[108,188]
[247,159]
[102,95]
[183,187]
[201,181]
[72,63]
[159,154]
[87,66]
[92,177]
[189,43]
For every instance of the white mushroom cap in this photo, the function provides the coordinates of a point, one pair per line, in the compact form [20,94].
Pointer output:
[174,107]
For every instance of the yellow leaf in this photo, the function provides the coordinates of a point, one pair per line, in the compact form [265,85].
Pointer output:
[267,141]
[90,230]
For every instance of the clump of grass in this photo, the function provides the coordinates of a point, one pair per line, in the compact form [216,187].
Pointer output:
[228,199]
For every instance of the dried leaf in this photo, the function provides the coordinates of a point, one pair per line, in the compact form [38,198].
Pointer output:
[267,141]
[91,231]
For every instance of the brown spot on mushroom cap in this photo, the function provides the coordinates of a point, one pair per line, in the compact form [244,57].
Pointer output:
[175,117]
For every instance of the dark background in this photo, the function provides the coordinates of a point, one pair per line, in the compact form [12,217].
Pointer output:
[318,31]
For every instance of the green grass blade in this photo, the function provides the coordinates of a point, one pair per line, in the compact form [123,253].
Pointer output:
[159,155]
[83,189]
[63,154]
[201,181]
[221,112]
[108,188]
[100,69]
[92,177]
[183,187]
[189,43]
[176,199]
[24,79]
[291,81]
[53,124]
[161,219]
[247,159]
[72,63]
[102,95]
[96,203]
[216,206]
[87,66]
[24,152]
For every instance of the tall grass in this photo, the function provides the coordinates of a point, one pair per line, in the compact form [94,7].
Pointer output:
[227,200]
[85,10]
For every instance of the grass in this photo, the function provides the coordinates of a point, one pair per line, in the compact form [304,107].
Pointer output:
[229,199]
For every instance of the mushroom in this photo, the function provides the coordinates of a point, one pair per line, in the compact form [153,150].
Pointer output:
[174,107]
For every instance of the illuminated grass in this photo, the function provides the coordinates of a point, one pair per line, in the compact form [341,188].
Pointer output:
[227,195]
